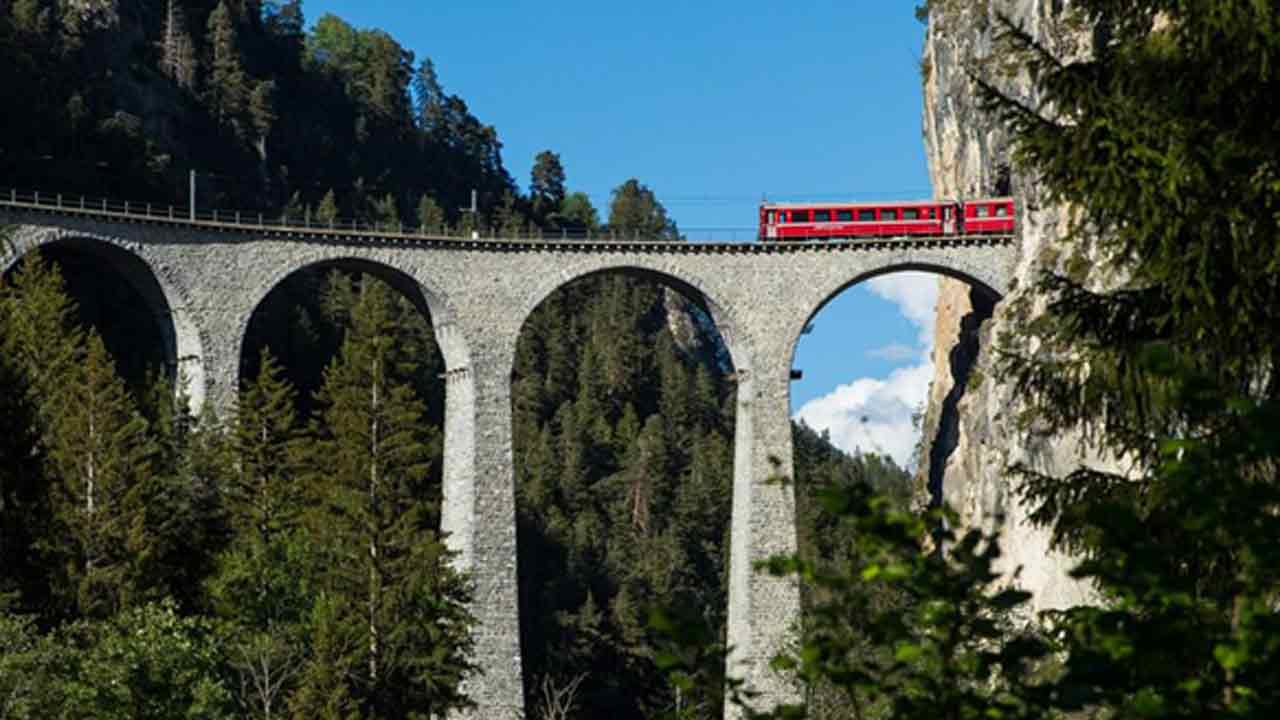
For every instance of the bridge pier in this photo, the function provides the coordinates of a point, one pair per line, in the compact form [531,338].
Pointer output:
[479,519]
[763,610]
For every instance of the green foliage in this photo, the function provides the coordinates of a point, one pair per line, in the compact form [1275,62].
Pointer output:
[634,211]
[99,460]
[624,462]
[327,211]
[263,496]
[260,107]
[144,662]
[430,215]
[904,629]
[1163,144]
[614,508]
[578,214]
[546,186]
[228,90]
[128,525]
[902,620]
[374,518]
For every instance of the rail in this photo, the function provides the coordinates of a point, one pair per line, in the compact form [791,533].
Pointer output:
[254,221]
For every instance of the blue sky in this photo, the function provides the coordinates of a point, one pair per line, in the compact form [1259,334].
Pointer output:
[713,105]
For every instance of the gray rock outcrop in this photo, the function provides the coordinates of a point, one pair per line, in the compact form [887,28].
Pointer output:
[970,419]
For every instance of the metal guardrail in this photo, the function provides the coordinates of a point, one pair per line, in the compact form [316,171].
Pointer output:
[246,221]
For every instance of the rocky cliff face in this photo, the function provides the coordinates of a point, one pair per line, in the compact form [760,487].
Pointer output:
[970,417]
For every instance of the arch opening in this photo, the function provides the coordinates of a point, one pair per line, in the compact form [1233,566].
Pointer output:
[867,398]
[623,400]
[304,317]
[143,321]
[879,401]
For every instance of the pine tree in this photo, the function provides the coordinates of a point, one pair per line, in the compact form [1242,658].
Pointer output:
[577,214]
[384,214]
[99,461]
[262,113]
[295,210]
[327,211]
[428,97]
[1162,142]
[546,186]
[430,215]
[179,497]
[372,480]
[264,494]
[43,337]
[227,89]
[634,212]
[22,486]
[177,51]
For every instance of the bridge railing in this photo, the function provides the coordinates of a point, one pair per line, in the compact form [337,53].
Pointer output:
[307,222]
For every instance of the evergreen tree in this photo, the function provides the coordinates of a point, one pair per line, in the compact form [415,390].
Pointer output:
[227,88]
[428,97]
[42,335]
[577,214]
[384,214]
[546,186]
[1162,142]
[386,563]
[262,113]
[177,51]
[430,215]
[634,211]
[99,461]
[264,494]
[327,211]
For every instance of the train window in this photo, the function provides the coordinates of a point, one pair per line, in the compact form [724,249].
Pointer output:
[888,215]
[822,216]
[844,215]
[910,214]
[982,211]
[866,215]
[1002,210]
[768,217]
[799,216]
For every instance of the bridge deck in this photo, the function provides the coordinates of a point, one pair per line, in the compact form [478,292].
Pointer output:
[258,225]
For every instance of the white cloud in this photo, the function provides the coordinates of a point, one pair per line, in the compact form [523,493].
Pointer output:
[894,352]
[874,414]
[915,294]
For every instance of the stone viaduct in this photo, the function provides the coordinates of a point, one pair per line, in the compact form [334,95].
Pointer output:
[204,280]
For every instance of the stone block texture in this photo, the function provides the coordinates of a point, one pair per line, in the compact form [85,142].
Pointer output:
[206,280]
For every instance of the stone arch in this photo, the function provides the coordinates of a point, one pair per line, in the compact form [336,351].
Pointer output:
[986,289]
[721,314]
[425,297]
[989,284]
[184,340]
[724,316]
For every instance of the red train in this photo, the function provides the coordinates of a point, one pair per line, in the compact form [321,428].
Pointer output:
[818,221]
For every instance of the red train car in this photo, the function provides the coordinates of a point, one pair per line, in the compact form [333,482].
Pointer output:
[991,216]
[817,221]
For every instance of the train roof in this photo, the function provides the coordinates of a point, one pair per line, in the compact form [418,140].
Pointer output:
[885,203]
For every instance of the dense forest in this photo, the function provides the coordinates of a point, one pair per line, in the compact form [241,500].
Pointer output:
[285,561]
[126,97]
